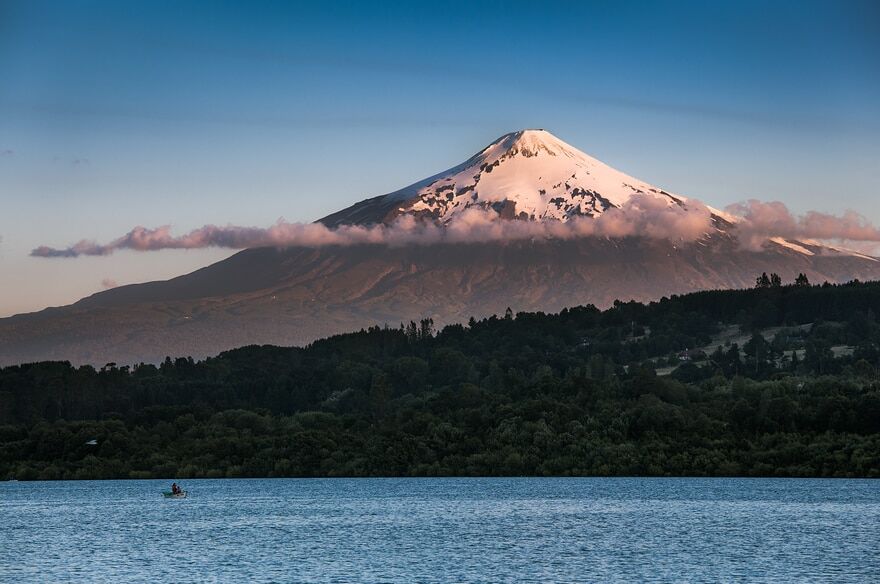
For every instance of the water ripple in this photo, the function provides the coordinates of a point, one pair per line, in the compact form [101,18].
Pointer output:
[443,530]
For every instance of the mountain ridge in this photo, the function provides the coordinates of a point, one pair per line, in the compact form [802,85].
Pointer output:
[297,294]
[527,174]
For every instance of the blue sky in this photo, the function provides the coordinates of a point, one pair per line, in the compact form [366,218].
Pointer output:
[149,113]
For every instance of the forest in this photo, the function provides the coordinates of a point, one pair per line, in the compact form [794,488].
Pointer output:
[778,380]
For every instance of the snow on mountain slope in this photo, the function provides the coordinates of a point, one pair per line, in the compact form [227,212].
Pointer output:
[532,175]
[529,174]
[296,294]
[794,246]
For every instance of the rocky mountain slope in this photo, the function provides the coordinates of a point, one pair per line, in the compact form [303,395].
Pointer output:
[297,294]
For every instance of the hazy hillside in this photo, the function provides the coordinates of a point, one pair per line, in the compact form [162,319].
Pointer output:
[291,297]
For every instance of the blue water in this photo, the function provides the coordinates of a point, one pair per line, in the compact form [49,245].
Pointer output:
[442,530]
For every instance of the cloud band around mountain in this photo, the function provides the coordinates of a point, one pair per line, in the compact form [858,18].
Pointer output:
[647,217]
[760,220]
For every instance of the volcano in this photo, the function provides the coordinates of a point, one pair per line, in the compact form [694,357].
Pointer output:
[526,175]
[294,295]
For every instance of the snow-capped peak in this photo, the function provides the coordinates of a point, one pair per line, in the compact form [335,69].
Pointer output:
[532,143]
[528,174]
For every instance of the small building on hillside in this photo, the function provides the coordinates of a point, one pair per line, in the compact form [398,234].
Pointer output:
[692,355]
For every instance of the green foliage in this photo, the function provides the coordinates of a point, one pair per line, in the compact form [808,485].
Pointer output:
[574,393]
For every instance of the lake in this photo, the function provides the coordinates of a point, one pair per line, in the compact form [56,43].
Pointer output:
[442,530]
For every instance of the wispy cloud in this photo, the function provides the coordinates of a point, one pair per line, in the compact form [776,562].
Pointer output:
[761,220]
[644,216]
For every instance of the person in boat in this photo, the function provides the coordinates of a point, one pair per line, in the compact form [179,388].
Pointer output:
[175,490]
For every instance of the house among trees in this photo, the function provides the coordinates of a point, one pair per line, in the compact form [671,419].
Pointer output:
[692,355]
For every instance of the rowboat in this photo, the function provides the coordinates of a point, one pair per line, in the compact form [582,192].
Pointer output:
[170,495]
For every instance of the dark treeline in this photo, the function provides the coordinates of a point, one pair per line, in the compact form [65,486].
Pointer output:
[582,392]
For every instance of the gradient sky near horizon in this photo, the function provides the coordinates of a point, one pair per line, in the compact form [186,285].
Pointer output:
[117,114]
